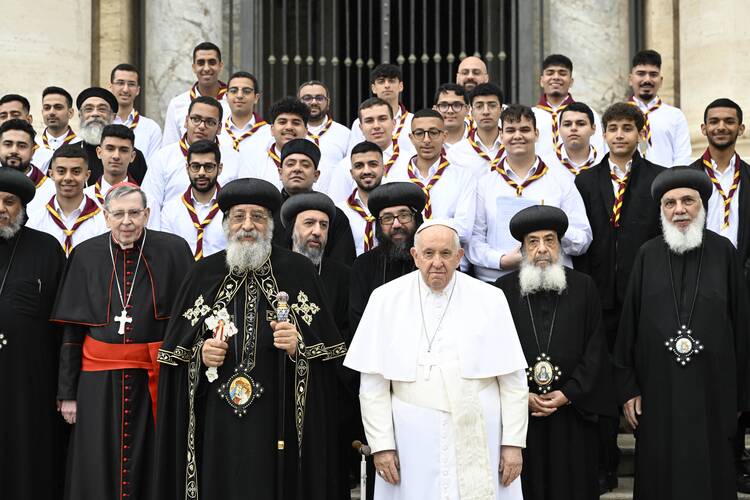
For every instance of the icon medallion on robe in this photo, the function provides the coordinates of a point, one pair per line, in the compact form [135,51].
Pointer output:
[684,346]
[543,373]
[240,391]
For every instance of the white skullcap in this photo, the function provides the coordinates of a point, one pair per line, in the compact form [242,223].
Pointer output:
[437,222]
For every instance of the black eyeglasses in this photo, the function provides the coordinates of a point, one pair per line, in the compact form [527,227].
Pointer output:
[196,167]
[419,133]
[456,106]
[197,120]
[403,218]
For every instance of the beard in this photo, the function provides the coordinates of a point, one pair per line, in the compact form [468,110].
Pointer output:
[399,251]
[246,256]
[208,188]
[301,247]
[22,166]
[14,225]
[91,130]
[535,279]
[680,241]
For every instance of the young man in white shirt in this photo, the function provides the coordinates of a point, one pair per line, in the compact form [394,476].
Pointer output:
[57,110]
[194,215]
[243,126]
[17,106]
[555,81]
[665,136]
[521,179]
[116,150]
[330,136]
[207,66]
[574,153]
[125,84]
[167,177]
[70,216]
[450,102]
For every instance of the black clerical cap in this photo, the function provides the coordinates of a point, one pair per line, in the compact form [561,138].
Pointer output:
[682,177]
[249,192]
[393,194]
[303,146]
[97,92]
[538,218]
[16,182]
[306,201]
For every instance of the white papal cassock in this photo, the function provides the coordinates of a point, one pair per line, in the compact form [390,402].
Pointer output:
[446,421]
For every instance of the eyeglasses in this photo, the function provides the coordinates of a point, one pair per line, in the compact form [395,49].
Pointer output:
[310,98]
[102,109]
[196,167]
[255,217]
[237,90]
[419,133]
[132,214]
[456,106]
[197,120]
[403,218]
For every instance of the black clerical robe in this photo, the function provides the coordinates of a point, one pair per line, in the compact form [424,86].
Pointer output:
[32,433]
[136,169]
[684,436]
[560,460]
[203,446]
[113,376]
[340,246]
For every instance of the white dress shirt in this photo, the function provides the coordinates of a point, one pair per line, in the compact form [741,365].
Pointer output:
[167,177]
[41,220]
[333,146]
[670,136]
[356,135]
[551,189]
[175,219]
[258,162]
[262,134]
[545,147]
[41,159]
[554,163]
[613,167]
[174,121]
[715,211]
[342,183]
[357,223]
[55,142]
[464,155]
[45,190]
[147,133]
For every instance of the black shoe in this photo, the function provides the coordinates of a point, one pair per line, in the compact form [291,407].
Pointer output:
[743,483]
[604,484]
[612,481]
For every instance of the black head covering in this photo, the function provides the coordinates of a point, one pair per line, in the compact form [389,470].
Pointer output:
[394,194]
[250,192]
[306,201]
[16,182]
[682,177]
[303,146]
[538,218]
[97,92]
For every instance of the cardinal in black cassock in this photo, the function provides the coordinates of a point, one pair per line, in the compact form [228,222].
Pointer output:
[108,368]
[215,441]
[558,317]
[681,356]
[32,434]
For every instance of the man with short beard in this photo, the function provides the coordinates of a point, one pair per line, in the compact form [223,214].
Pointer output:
[397,208]
[57,110]
[194,215]
[558,318]
[31,264]
[97,108]
[16,150]
[14,106]
[212,440]
[681,355]
[472,71]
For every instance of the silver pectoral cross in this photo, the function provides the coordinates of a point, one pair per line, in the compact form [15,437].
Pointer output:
[122,319]
[427,360]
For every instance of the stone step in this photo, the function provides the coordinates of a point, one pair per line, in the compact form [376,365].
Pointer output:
[625,491]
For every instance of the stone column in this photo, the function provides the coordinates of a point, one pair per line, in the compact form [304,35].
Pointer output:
[173,29]
[595,34]
[114,38]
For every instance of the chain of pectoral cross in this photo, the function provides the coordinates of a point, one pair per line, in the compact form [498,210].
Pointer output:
[124,318]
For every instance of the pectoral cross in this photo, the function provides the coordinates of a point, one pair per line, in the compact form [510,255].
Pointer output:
[122,319]
[427,360]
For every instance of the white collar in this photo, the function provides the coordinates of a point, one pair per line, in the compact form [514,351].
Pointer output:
[592,155]
[427,292]
[617,170]
[74,213]
[531,171]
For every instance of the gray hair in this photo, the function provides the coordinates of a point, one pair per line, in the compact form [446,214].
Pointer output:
[122,191]
[454,234]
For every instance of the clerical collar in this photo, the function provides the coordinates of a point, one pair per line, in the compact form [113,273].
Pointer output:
[429,292]
[136,244]
[516,177]
[617,170]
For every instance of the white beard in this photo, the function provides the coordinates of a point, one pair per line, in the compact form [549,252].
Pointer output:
[243,256]
[534,279]
[314,254]
[91,131]
[14,226]
[680,242]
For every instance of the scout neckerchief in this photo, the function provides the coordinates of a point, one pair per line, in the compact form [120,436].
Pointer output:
[475,145]
[200,227]
[219,95]
[555,112]
[274,156]
[236,141]
[316,137]
[541,169]
[569,164]
[622,184]
[135,120]
[394,156]
[646,132]
[726,197]
[355,205]
[68,137]
[401,122]
[90,209]
[37,177]
[98,188]
[413,177]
